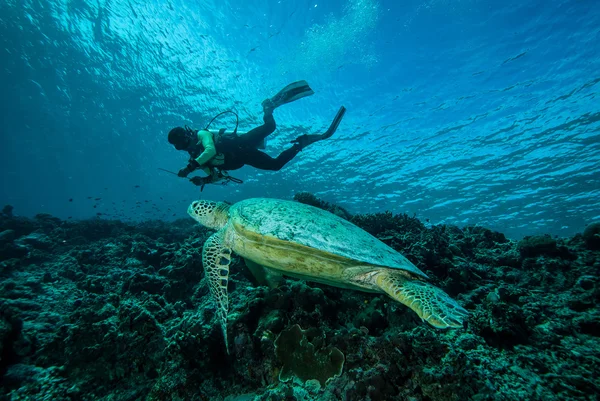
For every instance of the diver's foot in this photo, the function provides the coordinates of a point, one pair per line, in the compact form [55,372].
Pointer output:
[268,106]
[304,140]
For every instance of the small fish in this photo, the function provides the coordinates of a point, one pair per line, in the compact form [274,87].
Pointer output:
[98,199]
[137,186]
[71,200]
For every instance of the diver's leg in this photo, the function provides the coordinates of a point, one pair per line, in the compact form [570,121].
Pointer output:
[255,136]
[263,161]
[232,162]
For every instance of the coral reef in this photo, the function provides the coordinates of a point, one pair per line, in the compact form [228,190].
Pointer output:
[103,310]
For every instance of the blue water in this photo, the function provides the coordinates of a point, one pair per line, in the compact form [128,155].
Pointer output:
[463,112]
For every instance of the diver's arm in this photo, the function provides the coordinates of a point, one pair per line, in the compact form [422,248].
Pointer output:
[209,147]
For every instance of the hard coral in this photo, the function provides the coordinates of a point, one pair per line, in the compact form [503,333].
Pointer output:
[8,210]
[591,235]
[302,359]
[537,245]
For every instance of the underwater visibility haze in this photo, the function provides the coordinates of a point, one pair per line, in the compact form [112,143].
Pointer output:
[450,249]
[463,112]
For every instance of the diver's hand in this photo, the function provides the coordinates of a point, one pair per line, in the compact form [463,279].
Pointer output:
[200,182]
[184,172]
[192,166]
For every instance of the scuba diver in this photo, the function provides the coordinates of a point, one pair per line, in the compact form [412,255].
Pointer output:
[217,152]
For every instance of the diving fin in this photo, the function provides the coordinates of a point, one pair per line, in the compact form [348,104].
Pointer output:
[294,91]
[304,140]
[335,123]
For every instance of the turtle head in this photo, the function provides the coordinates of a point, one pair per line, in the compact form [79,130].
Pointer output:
[208,213]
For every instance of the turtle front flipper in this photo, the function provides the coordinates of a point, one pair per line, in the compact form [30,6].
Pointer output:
[216,258]
[429,302]
[264,276]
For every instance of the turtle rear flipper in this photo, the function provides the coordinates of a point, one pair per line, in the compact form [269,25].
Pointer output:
[216,258]
[429,302]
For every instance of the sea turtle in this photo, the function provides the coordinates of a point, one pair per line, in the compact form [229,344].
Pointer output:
[279,237]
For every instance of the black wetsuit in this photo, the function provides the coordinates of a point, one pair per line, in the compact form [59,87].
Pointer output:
[242,150]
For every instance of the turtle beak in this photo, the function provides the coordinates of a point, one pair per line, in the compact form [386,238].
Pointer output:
[192,210]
